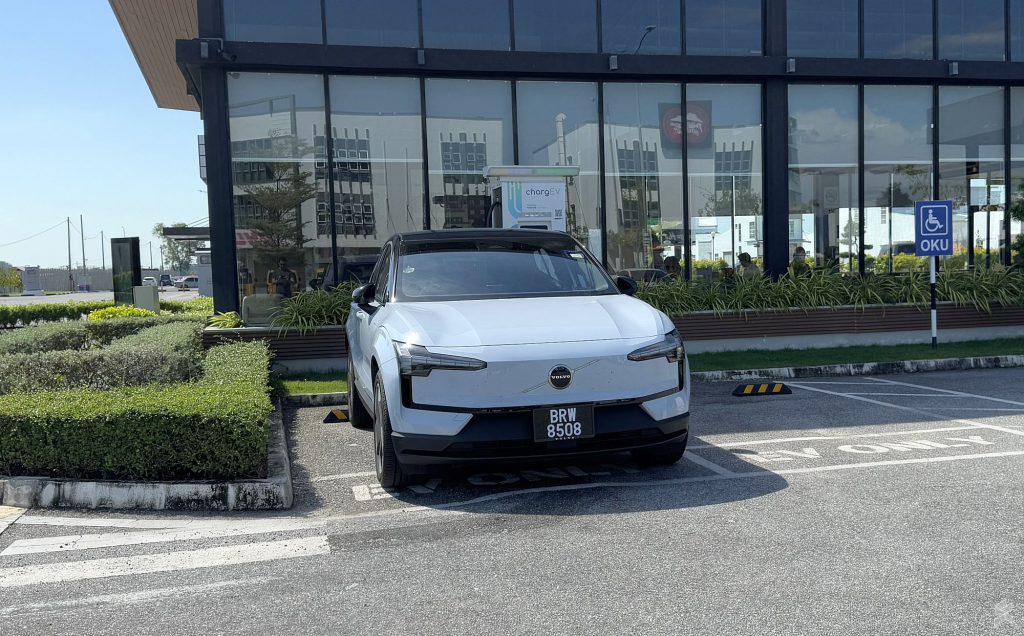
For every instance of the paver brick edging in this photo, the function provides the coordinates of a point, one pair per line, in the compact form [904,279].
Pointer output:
[865,368]
[272,493]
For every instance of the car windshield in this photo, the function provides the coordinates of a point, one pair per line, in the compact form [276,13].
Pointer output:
[480,268]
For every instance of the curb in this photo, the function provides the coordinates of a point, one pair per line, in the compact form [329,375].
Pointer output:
[866,368]
[272,493]
[305,400]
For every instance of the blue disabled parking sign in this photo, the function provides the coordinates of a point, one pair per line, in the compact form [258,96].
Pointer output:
[933,225]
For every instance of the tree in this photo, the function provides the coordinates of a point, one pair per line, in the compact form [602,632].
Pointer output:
[10,279]
[177,254]
[278,231]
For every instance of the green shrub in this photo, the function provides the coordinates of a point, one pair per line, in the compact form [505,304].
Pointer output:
[215,428]
[120,311]
[15,315]
[163,354]
[50,336]
[104,332]
[226,320]
[308,310]
[202,305]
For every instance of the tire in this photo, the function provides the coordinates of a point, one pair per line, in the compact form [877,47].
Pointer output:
[664,455]
[389,470]
[358,414]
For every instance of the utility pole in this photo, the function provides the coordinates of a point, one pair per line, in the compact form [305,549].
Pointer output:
[71,278]
[103,249]
[81,226]
[151,255]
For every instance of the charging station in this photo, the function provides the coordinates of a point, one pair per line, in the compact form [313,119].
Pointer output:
[531,197]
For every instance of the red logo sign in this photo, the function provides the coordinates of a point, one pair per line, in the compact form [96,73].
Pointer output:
[696,125]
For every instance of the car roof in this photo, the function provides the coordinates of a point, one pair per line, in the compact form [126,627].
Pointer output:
[426,236]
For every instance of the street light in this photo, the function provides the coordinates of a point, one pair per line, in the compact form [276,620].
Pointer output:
[123,233]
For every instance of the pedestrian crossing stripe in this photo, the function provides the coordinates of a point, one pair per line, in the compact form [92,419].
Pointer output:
[771,388]
[336,415]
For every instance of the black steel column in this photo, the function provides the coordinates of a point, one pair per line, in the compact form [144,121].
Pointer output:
[1007,229]
[776,146]
[214,108]
[332,196]
[860,179]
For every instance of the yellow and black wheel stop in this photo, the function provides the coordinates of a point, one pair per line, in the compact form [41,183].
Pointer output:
[769,388]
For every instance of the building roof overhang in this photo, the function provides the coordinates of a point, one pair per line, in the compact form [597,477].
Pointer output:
[152,28]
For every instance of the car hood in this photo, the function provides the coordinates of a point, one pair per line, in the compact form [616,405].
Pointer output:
[474,323]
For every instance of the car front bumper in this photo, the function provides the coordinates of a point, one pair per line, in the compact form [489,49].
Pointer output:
[508,436]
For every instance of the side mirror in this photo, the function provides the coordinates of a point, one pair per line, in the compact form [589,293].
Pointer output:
[363,295]
[626,285]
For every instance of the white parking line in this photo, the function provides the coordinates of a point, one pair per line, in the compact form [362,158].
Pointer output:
[927,395]
[164,562]
[712,466]
[89,522]
[9,515]
[898,407]
[948,391]
[813,438]
[345,476]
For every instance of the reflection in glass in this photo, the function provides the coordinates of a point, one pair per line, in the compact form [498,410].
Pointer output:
[898,29]
[562,26]
[823,29]
[1016,255]
[377,23]
[723,27]
[971,30]
[897,172]
[724,159]
[643,176]
[277,150]
[824,214]
[466,24]
[377,141]
[624,24]
[273,21]
[469,127]
[971,171]
[1017,30]
[558,126]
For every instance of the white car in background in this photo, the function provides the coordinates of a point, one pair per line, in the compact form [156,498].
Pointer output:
[149,281]
[486,346]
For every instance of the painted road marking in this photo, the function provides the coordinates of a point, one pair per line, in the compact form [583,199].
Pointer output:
[368,473]
[130,597]
[163,562]
[89,522]
[69,543]
[865,449]
[8,515]
[909,409]
[811,438]
[958,393]
[700,461]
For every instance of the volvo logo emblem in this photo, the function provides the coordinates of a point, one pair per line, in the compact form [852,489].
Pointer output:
[560,377]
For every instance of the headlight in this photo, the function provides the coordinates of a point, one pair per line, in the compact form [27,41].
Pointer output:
[416,361]
[671,348]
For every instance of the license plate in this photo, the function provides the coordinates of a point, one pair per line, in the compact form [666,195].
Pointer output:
[560,423]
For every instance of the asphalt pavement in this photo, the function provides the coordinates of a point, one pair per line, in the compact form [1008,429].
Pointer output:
[166,293]
[886,505]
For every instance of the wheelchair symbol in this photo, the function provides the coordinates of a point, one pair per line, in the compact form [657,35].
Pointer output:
[932,225]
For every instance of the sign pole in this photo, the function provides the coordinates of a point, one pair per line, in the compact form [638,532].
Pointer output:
[935,318]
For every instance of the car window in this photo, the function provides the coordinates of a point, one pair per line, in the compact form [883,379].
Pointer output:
[382,276]
[499,267]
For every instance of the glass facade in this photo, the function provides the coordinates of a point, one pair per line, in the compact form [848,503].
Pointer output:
[971,171]
[469,127]
[823,29]
[624,27]
[723,27]
[972,30]
[724,159]
[824,172]
[558,126]
[277,126]
[672,175]
[643,173]
[898,29]
[562,26]
[466,24]
[273,21]
[897,172]
[1016,19]
[378,23]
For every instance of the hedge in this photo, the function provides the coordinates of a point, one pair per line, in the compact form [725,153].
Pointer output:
[62,336]
[20,315]
[215,428]
[159,355]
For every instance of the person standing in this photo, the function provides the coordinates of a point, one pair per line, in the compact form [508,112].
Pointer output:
[748,269]
[282,281]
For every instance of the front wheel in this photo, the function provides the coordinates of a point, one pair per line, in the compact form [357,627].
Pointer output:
[389,470]
[664,455]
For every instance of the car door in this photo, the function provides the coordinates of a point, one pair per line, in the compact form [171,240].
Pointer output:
[365,321]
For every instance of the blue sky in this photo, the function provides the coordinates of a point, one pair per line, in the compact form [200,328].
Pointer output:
[82,135]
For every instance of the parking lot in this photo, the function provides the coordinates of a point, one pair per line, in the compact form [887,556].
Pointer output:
[855,505]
